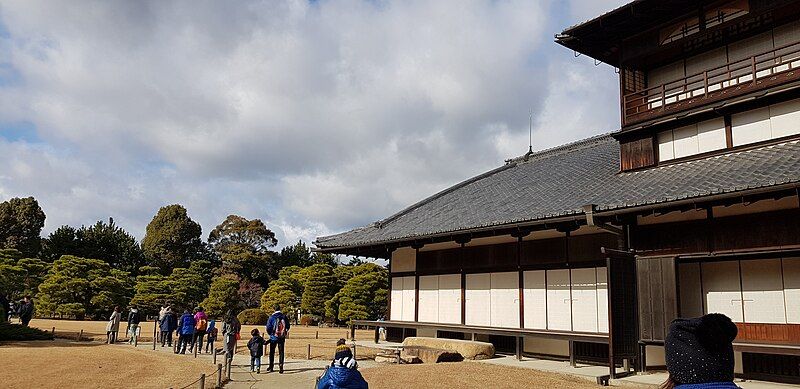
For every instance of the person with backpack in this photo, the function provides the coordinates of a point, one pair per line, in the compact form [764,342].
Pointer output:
[277,329]
[200,326]
[133,325]
[256,347]
[342,373]
[186,331]
[699,353]
[212,332]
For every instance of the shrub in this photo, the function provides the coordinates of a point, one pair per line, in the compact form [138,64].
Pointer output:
[310,320]
[253,316]
[19,332]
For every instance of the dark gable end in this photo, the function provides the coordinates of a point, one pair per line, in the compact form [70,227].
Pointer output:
[561,181]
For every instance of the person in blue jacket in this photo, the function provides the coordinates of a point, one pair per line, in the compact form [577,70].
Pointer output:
[186,330]
[167,325]
[277,329]
[342,373]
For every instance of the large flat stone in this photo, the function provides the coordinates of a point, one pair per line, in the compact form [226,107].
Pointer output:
[468,349]
[431,355]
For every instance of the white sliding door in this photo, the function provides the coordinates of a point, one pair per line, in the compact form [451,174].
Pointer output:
[559,313]
[535,294]
[762,291]
[791,285]
[505,300]
[429,299]
[584,300]
[478,295]
[409,298]
[449,299]
[396,305]
[602,300]
[691,290]
[721,289]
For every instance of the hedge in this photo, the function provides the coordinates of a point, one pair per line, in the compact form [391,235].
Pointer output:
[10,331]
[253,316]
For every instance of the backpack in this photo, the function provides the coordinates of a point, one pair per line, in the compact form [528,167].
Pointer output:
[280,328]
[201,324]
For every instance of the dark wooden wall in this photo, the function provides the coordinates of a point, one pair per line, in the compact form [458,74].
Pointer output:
[658,299]
[778,229]
[533,254]
[637,153]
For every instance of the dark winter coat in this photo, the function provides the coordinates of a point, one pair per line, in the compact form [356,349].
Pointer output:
[272,325]
[187,324]
[337,377]
[168,323]
[134,317]
[26,311]
[256,346]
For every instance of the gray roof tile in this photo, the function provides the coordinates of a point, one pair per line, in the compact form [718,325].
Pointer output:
[560,181]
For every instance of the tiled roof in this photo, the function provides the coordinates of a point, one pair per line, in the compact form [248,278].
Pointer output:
[560,181]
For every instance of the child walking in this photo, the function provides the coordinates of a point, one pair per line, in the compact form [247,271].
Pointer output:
[256,346]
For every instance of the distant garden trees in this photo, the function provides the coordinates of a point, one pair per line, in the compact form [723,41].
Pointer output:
[183,288]
[76,286]
[20,276]
[223,295]
[86,271]
[105,241]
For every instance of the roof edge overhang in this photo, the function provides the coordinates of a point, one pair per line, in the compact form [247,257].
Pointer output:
[576,219]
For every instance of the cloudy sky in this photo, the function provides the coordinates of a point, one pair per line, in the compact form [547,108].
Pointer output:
[315,117]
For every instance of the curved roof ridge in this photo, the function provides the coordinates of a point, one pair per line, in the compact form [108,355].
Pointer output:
[560,149]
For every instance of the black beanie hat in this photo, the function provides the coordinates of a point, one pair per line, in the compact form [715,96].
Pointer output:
[700,350]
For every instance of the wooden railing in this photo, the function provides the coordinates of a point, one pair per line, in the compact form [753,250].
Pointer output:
[696,89]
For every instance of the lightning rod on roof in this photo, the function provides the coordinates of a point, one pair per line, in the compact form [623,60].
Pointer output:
[530,131]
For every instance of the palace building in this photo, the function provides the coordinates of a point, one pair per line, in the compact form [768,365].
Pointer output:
[587,251]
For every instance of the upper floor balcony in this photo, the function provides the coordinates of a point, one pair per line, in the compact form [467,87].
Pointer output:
[764,70]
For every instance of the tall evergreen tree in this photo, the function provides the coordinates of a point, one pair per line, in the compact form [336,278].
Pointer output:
[21,223]
[172,239]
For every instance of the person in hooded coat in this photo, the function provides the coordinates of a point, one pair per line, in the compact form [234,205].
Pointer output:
[167,324]
[212,332]
[343,372]
[112,328]
[699,353]
[186,330]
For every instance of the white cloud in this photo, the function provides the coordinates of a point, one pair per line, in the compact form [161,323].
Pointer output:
[315,117]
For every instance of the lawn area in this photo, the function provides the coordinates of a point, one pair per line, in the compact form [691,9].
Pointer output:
[68,364]
[300,337]
[469,375]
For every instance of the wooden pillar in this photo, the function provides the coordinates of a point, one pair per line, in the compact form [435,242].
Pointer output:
[572,353]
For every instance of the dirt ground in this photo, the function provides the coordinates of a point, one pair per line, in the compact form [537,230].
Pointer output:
[468,375]
[322,339]
[69,364]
